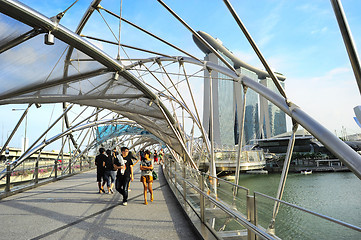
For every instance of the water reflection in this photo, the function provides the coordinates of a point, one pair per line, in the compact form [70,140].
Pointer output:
[333,194]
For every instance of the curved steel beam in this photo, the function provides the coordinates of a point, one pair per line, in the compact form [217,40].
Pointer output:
[348,40]
[33,18]
[340,149]
[40,146]
[80,27]
[52,83]
[28,16]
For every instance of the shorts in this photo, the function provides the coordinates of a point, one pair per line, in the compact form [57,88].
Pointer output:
[146,178]
[109,177]
[100,176]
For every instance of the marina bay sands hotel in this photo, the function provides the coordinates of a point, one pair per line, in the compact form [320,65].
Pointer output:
[262,118]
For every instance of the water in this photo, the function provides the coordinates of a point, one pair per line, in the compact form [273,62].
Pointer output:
[337,195]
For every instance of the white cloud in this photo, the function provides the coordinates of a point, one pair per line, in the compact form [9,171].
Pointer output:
[24,55]
[319,31]
[4,29]
[97,44]
[329,98]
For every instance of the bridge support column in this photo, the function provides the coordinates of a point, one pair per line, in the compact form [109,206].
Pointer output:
[175,174]
[201,184]
[184,182]
[281,186]
[8,174]
[36,172]
[69,166]
[56,169]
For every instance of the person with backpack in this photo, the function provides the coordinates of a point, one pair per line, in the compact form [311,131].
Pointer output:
[110,171]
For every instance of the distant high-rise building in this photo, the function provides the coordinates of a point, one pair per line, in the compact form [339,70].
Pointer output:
[262,118]
[272,119]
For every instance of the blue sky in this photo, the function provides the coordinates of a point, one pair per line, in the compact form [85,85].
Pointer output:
[300,39]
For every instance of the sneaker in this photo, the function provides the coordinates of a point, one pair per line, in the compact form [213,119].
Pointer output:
[111,191]
[125,203]
[145,203]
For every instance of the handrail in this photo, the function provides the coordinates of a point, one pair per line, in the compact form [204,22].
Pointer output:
[223,206]
[179,182]
[232,213]
[48,176]
[312,212]
[231,183]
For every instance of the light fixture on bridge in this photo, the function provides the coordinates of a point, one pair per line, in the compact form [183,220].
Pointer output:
[116,76]
[150,103]
[49,38]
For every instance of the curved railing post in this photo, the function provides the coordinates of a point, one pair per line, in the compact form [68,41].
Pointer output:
[56,168]
[201,202]
[8,174]
[240,141]
[281,187]
[251,215]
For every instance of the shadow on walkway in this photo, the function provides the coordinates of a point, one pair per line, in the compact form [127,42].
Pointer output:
[72,209]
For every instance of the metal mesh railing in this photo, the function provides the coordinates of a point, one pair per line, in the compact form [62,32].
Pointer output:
[32,172]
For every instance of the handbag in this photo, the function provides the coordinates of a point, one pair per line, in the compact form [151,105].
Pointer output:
[155,175]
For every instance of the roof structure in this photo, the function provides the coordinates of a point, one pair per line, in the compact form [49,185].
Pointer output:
[150,87]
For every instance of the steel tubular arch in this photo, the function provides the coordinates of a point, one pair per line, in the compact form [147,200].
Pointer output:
[255,48]
[24,14]
[340,149]
[348,40]
[147,32]
[30,17]
[346,154]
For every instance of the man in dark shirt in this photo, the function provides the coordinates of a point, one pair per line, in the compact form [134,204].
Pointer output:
[123,180]
[100,162]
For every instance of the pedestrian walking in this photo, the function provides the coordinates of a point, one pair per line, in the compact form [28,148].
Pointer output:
[146,167]
[155,156]
[161,156]
[124,179]
[100,163]
[110,171]
[135,161]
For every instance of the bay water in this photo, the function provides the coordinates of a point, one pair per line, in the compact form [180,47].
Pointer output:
[336,194]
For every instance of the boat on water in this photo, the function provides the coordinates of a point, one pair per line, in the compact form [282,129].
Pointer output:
[306,172]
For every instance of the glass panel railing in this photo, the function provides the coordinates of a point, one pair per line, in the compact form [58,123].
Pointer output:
[238,215]
[295,222]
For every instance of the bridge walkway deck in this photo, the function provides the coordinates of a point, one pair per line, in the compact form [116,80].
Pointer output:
[73,209]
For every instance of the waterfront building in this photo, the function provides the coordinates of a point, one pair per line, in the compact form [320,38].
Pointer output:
[272,119]
[262,118]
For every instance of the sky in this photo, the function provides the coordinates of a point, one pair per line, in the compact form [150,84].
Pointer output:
[299,39]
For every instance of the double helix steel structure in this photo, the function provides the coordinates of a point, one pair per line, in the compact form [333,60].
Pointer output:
[96,82]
